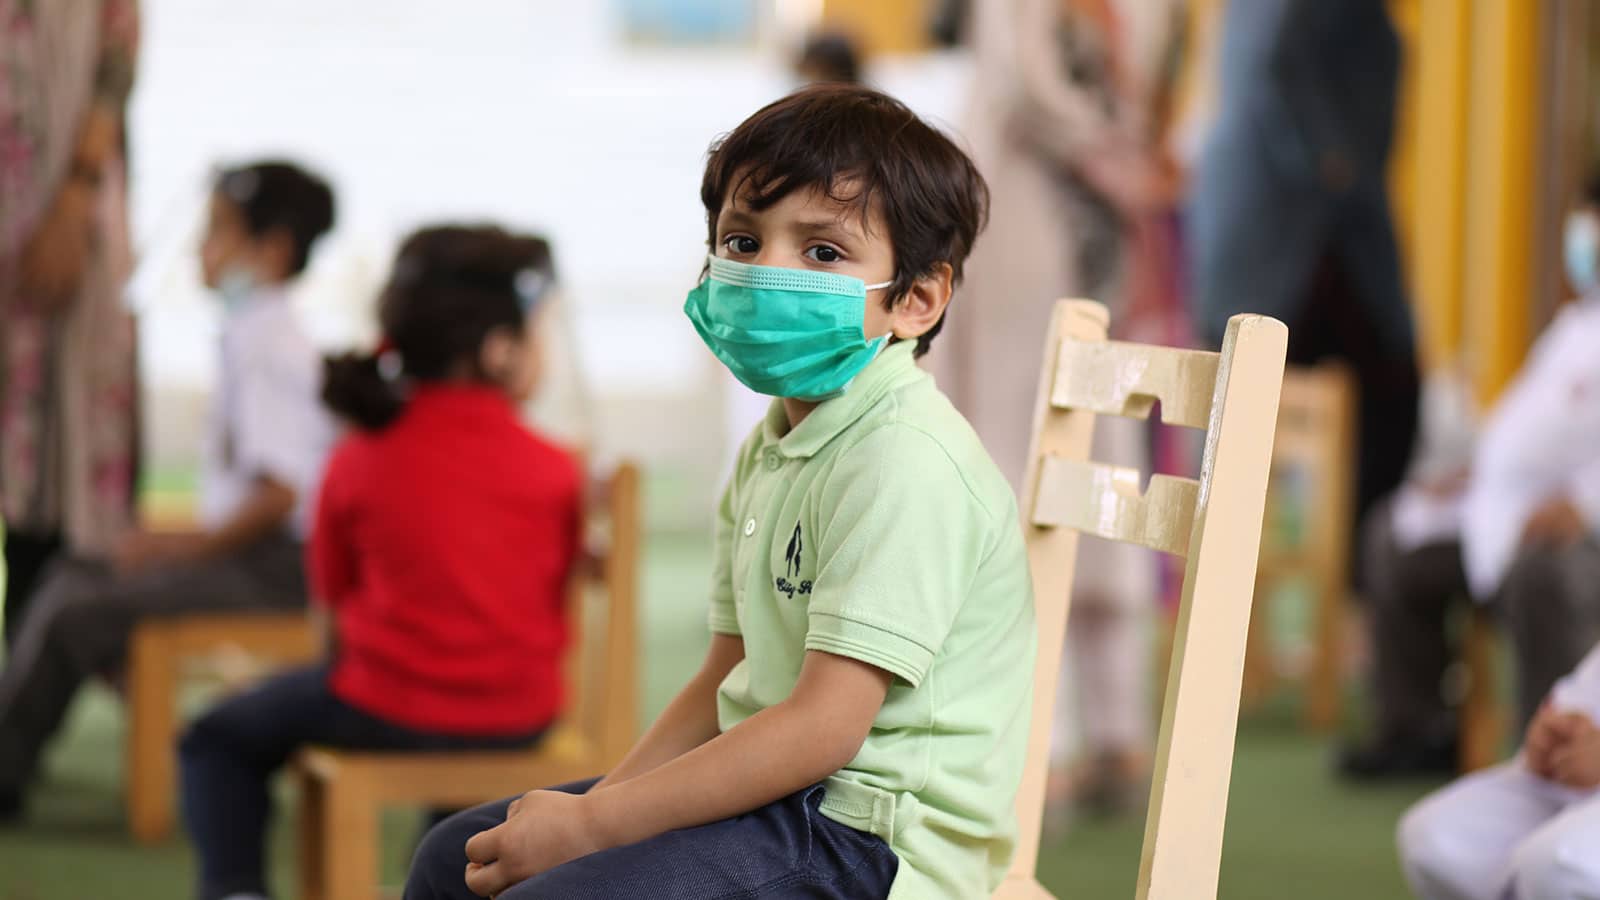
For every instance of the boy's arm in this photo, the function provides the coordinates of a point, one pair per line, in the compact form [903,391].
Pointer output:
[688,721]
[265,510]
[778,751]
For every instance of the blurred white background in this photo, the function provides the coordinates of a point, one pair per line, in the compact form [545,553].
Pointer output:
[541,115]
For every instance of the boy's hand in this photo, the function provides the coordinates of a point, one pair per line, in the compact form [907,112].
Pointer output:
[1575,762]
[542,830]
[1541,740]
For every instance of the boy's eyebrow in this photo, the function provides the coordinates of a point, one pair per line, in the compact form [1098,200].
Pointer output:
[833,226]
[735,216]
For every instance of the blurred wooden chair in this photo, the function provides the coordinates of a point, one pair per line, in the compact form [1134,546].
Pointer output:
[163,655]
[1310,495]
[1214,522]
[342,793]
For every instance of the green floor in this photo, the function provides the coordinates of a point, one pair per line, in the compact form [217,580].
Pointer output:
[1293,832]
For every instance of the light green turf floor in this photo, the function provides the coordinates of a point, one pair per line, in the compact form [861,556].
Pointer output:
[1293,832]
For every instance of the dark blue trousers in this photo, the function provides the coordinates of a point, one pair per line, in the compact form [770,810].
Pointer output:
[230,754]
[786,849]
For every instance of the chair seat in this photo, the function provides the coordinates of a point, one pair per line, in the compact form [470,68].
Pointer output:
[455,778]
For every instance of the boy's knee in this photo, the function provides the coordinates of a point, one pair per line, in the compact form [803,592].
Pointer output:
[1556,866]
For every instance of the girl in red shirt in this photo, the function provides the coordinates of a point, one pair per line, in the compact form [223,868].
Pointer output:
[442,543]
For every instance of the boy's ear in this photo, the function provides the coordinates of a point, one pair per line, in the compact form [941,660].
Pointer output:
[923,305]
[277,248]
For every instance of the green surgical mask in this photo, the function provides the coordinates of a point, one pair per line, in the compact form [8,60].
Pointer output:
[785,332]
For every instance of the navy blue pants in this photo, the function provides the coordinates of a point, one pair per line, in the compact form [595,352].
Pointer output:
[230,754]
[786,849]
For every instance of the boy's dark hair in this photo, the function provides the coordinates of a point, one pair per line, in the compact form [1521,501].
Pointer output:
[864,148]
[1591,190]
[830,56]
[274,195]
[452,285]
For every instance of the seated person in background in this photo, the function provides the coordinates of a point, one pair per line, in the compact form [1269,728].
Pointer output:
[861,717]
[1528,828]
[267,441]
[444,536]
[1526,540]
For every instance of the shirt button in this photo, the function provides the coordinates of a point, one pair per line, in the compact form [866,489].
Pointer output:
[774,461]
[749,527]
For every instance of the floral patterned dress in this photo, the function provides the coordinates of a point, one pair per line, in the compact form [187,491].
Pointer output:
[68,388]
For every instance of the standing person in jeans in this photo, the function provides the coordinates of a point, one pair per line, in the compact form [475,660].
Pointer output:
[1290,212]
[444,537]
[1526,543]
[68,373]
[267,441]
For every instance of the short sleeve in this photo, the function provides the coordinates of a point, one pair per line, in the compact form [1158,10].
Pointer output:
[119,48]
[900,537]
[724,615]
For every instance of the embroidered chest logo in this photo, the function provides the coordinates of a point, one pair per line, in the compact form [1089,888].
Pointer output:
[789,583]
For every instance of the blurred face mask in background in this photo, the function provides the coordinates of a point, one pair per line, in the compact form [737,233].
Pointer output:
[1580,251]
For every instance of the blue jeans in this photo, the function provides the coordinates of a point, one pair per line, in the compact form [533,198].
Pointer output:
[230,754]
[786,849]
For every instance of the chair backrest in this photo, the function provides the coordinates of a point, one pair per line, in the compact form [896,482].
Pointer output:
[1313,461]
[603,661]
[1214,522]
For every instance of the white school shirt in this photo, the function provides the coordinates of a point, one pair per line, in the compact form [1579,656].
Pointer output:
[266,417]
[1542,440]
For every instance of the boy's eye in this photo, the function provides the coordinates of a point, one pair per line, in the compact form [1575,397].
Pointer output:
[741,244]
[822,253]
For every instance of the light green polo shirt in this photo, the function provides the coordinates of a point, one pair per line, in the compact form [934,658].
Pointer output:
[880,530]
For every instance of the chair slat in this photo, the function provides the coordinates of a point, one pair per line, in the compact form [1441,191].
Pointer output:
[1105,501]
[1121,379]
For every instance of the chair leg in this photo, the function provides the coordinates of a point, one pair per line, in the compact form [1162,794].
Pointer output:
[349,838]
[151,765]
[1323,693]
[1482,726]
[311,834]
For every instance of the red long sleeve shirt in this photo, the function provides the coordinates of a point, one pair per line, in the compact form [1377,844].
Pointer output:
[442,545]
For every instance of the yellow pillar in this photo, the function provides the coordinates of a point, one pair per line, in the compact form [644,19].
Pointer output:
[881,26]
[1436,124]
[1501,187]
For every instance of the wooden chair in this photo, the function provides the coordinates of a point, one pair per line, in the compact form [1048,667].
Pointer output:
[1314,447]
[342,793]
[1214,522]
[162,655]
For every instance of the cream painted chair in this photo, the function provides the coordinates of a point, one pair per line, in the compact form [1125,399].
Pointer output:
[1214,522]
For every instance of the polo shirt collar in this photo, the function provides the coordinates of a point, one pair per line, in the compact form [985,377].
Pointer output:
[893,369]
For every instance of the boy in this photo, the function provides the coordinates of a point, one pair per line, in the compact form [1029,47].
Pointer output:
[859,722]
[264,452]
[1518,529]
[1528,828]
